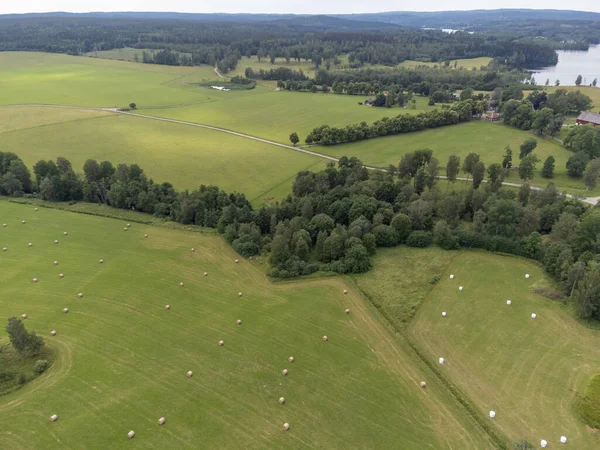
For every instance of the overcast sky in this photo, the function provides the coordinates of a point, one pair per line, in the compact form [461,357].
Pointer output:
[279,6]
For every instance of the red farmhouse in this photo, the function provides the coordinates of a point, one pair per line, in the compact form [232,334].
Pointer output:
[588,117]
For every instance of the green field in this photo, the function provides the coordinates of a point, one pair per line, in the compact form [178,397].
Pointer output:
[277,114]
[482,137]
[183,155]
[265,63]
[121,358]
[124,54]
[31,78]
[528,371]
[22,118]
[468,63]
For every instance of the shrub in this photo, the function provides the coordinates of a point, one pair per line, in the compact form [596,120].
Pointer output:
[420,239]
[40,366]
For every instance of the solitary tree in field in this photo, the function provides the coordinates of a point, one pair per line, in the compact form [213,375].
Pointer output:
[26,343]
[478,174]
[507,159]
[548,169]
[294,139]
[527,167]
[557,82]
[452,169]
[527,147]
[578,80]
[469,163]
[132,106]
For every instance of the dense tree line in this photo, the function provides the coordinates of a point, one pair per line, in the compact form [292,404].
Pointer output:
[224,43]
[277,74]
[403,123]
[335,219]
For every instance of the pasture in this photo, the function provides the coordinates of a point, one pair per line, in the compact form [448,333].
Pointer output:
[465,64]
[484,138]
[41,78]
[183,155]
[122,358]
[529,371]
[277,114]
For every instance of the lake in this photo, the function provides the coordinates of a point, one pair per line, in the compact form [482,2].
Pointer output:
[571,64]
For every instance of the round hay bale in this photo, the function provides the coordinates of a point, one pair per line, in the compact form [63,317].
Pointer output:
[128,225]
[284,372]
[460,288]
[443,313]
[35,209]
[167,307]
[237,261]
[543,443]
[325,338]
[162,421]
[30,245]
[53,417]
[563,439]
[193,249]
[23,316]
[4,249]
[80,295]
[65,310]
[345,291]
[239,294]
[492,414]
[508,302]
[61,275]
[23,222]
[189,374]
[533,315]
[286,426]
[100,261]
[281,400]
[291,359]
[125,229]
[53,333]
[452,277]
[347,311]
[423,384]
[239,322]
[145,235]
[441,360]
[55,263]
[35,280]
[65,233]
[221,343]
[55,241]
[181,284]
[205,274]
[131,434]
[526,275]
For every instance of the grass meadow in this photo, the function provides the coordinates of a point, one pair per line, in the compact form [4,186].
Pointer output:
[468,64]
[121,358]
[182,155]
[529,371]
[277,114]
[265,63]
[42,78]
[484,138]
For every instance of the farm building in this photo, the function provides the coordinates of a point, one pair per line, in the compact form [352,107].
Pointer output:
[587,117]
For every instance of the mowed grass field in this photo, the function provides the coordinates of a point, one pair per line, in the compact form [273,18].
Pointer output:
[121,358]
[17,118]
[32,78]
[484,138]
[183,155]
[277,114]
[468,63]
[527,370]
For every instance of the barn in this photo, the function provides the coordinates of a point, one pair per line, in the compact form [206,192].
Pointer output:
[588,118]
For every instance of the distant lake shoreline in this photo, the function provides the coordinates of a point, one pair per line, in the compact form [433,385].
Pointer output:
[570,65]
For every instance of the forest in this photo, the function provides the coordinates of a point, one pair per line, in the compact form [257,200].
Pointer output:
[335,219]
[316,38]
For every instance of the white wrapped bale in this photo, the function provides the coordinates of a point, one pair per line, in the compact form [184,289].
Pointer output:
[30,245]
[189,374]
[35,280]
[4,249]
[221,343]
[55,263]
[345,291]
[423,384]
[492,414]
[61,275]
[239,294]
[100,261]
[286,426]
[65,310]
[460,288]
[205,274]
[167,307]
[181,284]
[291,359]
[563,439]
[53,417]
[441,360]
[80,295]
[23,316]
[325,338]
[451,277]
[162,421]
[281,400]
[347,311]
[131,434]
[508,302]
[145,235]
[533,316]
[443,313]
[526,275]
[65,233]
[53,333]
[239,322]
[543,443]
[193,249]
[56,241]
[284,372]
